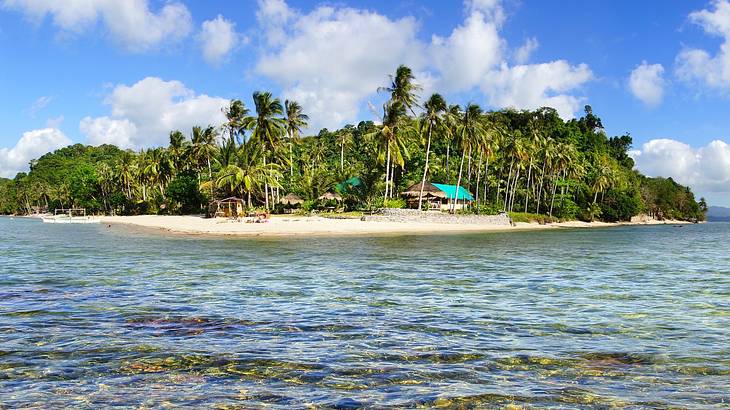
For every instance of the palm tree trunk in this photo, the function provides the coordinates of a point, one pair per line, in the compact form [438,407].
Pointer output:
[448,171]
[387,174]
[506,187]
[342,157]
[425,168]
[479,174]
[458,181]
[266,188]
[486,180]
[552,201]
[527,192]
[539,191]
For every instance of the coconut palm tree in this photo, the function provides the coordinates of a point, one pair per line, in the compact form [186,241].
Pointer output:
[431,119]
[246,173]
[403,88]
[295,121]
[204,147]
[268,128]
[471,133]
[344,139]
[237,118]
[391,140]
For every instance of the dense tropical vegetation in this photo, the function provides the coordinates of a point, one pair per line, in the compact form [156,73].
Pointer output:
[518,161]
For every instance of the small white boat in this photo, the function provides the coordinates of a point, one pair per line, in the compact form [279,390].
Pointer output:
[70,216]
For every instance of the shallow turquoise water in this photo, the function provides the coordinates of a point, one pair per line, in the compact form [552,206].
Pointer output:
[635,317]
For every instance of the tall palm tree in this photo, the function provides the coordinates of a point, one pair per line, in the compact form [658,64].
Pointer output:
[237,118]
[295,121]
[391,138]
[431,119]
[268,129]
[344,139]
[470,135]
[403,88]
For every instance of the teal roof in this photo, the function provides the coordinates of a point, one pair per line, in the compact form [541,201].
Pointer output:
[450,191]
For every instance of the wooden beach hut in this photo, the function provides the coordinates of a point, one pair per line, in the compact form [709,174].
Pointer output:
[226,208]
[438,196]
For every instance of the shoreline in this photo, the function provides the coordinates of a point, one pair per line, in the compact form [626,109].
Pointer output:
[305,226]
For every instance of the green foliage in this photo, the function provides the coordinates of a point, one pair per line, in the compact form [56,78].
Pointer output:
[184,195]
[394,203]
[515,160]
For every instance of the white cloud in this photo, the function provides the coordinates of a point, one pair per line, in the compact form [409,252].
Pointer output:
[706,169]
[130,22]
[31,145]
[369,46]
[39,104]
[217,38]
[466,57]
[522,54]
[647,84]
[699,65]
[537,85]
[144,113]
[105,130]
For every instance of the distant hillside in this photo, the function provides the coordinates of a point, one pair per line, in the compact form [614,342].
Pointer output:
[718,214]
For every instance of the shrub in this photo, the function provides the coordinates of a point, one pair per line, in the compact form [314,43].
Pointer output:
[394,203]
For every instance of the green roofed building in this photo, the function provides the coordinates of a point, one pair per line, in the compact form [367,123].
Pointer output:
[439,196]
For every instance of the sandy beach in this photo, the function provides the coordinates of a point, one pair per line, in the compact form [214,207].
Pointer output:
[315,225]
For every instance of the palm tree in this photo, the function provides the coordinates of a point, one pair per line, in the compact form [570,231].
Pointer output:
[452,118]
[344,138]
[247,172]
[403,88]
[471,134]
[295,121]
[237,119]
[432,118]
[204,147]
[391,139]
[268,129]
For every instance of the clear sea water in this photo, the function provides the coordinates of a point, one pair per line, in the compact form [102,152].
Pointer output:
[629,317]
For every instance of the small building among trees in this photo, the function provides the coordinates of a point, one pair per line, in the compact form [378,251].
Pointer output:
[438,196]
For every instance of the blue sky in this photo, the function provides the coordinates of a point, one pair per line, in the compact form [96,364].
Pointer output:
[126,72]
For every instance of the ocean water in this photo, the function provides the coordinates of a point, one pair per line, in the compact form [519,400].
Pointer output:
[629,317]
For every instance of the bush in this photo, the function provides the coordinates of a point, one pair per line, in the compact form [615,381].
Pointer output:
[184,194]
[394,203]
[566,209]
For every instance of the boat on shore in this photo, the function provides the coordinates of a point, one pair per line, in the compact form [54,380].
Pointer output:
[70,216]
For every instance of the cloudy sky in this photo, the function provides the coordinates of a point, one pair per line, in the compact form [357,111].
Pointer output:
[126,72]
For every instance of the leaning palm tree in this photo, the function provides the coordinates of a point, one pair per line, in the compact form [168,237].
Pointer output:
[431,119]
[295,121]
[268,128]
[204,148]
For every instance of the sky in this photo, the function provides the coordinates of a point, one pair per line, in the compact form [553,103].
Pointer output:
[127,72]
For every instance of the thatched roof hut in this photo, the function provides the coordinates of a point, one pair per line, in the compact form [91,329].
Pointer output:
[330,196]
[429,190]
[292,199]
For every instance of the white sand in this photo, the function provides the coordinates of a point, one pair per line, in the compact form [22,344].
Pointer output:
[310,226]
